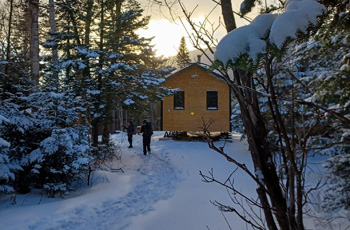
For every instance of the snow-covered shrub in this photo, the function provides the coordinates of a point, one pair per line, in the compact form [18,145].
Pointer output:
[47,146]
[6,176]
[23,132]
[61,159]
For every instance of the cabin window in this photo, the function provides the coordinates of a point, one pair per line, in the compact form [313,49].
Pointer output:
[212,100]
[179,100]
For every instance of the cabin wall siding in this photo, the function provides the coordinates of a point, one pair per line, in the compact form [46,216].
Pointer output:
[195,81]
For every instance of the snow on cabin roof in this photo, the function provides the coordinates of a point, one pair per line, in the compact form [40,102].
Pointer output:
[202,66]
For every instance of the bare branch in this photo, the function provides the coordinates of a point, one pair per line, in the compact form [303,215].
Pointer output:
[225,208]
[302,102]
[221,151]
[197,35]
[211,179]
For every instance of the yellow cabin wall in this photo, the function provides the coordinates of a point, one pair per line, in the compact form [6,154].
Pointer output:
[195,82]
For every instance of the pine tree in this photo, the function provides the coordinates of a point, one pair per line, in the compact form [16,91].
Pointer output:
[183,56]
[94,61]
[22,131]
[6,176]
[129,72]
[333,89]
[47,148]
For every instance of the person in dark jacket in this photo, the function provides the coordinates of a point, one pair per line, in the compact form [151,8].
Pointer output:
[130,130]
[147,132]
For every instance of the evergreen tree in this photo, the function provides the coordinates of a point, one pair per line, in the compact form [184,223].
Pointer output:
[6,176]
[130,72]
[94,63]
[183,56]
[22,131]
[46,146]
[316,69]
[63,156]
[332,88]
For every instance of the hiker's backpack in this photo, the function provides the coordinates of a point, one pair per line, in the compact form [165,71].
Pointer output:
[150,128]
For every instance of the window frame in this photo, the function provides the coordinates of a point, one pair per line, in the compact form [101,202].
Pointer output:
[210,97]
[176,102]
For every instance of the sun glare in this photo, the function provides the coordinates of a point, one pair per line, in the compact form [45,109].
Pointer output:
[166,35]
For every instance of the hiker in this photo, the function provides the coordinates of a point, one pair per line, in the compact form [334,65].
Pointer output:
[130,130]
[147,131]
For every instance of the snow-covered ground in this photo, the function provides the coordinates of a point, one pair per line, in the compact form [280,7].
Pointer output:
[160,191]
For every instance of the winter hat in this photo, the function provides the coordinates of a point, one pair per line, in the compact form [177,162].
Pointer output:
[144,121]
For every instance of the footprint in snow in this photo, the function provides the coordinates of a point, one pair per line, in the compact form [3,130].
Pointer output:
[160,179]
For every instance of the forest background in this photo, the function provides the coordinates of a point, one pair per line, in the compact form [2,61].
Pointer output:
[292,100]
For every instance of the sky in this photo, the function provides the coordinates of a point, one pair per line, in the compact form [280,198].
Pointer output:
[167,33]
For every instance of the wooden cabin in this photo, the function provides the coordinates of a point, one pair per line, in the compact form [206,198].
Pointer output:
[201,95]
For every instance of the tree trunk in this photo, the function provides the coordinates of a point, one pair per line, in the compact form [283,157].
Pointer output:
[257,138]
[94,132]
[227,13]
[121,116]
[8,50]
[116,15]
[256,134]
[9,31]
[88,20]
[101,60]
[106,131]
[96,120]
[34,9]
[266,208]
[75,27]
[107,120]
[53,32]
[262,158]
[86,75]
[292,167]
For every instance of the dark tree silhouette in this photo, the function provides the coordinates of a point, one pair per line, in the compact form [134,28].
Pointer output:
[183,56]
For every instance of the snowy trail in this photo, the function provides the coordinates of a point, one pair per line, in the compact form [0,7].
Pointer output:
[159,184]
[156,180]
[161,191]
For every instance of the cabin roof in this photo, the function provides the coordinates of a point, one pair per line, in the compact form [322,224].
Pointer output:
[202,66]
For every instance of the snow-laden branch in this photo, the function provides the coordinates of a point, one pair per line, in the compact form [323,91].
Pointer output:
[298,17]
[252,39]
